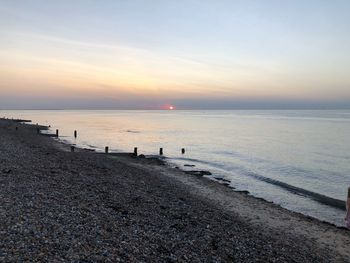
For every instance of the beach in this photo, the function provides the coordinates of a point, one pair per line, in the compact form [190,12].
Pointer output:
[82,206]
[300,163]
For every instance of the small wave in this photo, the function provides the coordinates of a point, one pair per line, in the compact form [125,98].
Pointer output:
[277,167]
[92,146]
[301,191]
[131,131]
[332,155]
[213,164]
[293,189]
[240,156]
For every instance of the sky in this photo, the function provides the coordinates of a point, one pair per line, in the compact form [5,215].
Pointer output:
[203,54]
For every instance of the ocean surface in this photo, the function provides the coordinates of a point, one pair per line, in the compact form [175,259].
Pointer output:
[297,159]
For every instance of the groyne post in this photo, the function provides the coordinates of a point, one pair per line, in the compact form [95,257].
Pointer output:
[72,148]
[56,132]
[16,128]
[37,130]
[106,149]
[75,134]
[135,151]
[183,150]
[160,151]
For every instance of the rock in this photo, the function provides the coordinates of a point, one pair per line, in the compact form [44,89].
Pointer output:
[223,180]
[198,173]
[243,191]
[89,150]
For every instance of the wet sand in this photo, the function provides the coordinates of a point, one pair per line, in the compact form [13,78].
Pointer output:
[62,206]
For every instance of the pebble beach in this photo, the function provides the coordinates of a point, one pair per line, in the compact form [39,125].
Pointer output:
[82,206]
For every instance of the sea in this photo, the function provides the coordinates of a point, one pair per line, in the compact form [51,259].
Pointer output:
[298,159]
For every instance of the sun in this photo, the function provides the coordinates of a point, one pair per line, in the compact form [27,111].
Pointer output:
[169,106]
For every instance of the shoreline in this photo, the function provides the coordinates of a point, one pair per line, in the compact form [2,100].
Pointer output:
[313,202]
[206,174]
[264,220]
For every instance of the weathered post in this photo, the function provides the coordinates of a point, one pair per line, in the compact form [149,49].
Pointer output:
[37,130]
[160,151]
[183,150]
[75,134]
[135,151]
[106,149]
[72,148]
[56,132]
[16,128]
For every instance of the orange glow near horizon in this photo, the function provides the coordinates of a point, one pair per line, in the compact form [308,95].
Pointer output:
[168,107]
[127,73]
[143,64]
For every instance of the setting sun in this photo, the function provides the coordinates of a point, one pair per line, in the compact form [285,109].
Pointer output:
[171,107]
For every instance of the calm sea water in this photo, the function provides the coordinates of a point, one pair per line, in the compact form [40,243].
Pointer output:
[298,159]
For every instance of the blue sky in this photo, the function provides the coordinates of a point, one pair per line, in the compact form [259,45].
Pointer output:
[195,54]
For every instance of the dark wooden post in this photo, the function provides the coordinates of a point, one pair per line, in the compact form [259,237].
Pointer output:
[160,151]
[135,151]
[75,134]
[72,148]
[37,130]
[183,150]
[16,128]
[106,149]
[56,132]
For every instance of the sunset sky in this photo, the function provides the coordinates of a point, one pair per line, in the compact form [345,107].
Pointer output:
[193,54]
